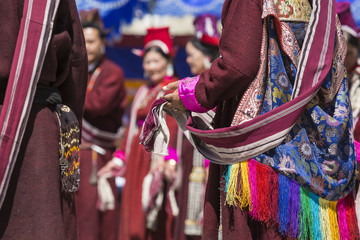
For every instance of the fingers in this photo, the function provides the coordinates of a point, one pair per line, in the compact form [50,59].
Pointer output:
[110,166]
[171,86]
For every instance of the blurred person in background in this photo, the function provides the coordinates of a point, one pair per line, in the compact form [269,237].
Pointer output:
[43,75]
[105,103]
[148,204]
[351,34]
[201,51]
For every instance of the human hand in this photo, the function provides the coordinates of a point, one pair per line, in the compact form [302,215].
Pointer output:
[173,99]
[112,168]
[170,170]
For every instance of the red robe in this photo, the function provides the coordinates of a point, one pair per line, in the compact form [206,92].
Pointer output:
[133,219]
[35,207]
[222,86]
[103,109]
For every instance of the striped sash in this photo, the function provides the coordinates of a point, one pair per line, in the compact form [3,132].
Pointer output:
[32,42]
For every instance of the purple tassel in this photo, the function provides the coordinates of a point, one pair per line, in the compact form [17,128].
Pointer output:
[294,209]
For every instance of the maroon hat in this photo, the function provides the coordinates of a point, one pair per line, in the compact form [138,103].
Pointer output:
[206,29]
[346,18]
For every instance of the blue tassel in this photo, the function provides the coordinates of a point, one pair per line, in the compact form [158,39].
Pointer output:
[284,209]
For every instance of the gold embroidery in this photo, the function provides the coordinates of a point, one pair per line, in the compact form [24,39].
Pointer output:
[293,10]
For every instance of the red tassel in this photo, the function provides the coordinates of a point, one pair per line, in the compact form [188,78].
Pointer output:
[274,195]
[264,194]
[351,217]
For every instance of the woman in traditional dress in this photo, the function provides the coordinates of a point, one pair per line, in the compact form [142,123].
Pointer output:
[201,51]
[282,148]
[142,217]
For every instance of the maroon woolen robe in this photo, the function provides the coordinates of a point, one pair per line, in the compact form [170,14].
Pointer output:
[186,168]
[103,109]
[222,86]
[132,216]
[35,207]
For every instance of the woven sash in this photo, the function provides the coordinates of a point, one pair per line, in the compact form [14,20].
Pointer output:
[33,39]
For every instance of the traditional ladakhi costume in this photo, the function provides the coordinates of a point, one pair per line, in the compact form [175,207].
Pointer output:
[105,104]
[282,122]
[43,66]
[157,221]
[193,165]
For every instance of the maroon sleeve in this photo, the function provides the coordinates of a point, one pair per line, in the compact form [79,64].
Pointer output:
[240,45]
[108,91]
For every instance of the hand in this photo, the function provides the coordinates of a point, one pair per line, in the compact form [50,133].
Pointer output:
[174,102]
[170,170]
[113,169]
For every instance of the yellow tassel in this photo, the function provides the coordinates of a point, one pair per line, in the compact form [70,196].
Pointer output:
[245,196]
[335,234]
[325,220]
[231,196]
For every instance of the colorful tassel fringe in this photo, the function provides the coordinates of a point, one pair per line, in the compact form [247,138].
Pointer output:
[273,198]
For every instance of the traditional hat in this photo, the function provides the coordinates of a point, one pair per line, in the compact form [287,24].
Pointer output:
[346,18]
[158,37]
[206,29]
[92,18]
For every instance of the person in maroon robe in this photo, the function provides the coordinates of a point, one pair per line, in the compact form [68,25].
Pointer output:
[35,207]
[222,86]
[201,51]
[148,204]
[222,83]
[105,103]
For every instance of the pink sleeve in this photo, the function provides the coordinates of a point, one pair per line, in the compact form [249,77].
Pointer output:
[357,150]
[206,163]
[187,94]
[119,154]
[172,155]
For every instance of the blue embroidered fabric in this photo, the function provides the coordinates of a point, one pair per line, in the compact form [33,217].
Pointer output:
[319,152]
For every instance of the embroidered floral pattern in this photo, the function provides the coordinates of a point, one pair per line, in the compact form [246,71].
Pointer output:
[287,165]
[330,167]
[318,152]
[284,9]
[305,150]
[293,10]
[283,81]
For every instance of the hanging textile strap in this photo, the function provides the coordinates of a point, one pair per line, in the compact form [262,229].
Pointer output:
[33,39]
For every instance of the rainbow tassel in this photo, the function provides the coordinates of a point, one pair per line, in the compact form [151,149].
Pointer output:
[262,193]
[231,184]
[294,209]
[306,219]
[283,203]
[274,193]
[253,189]
[298,213]
[351,217]
[246,196]
[343,226]
[335,234]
